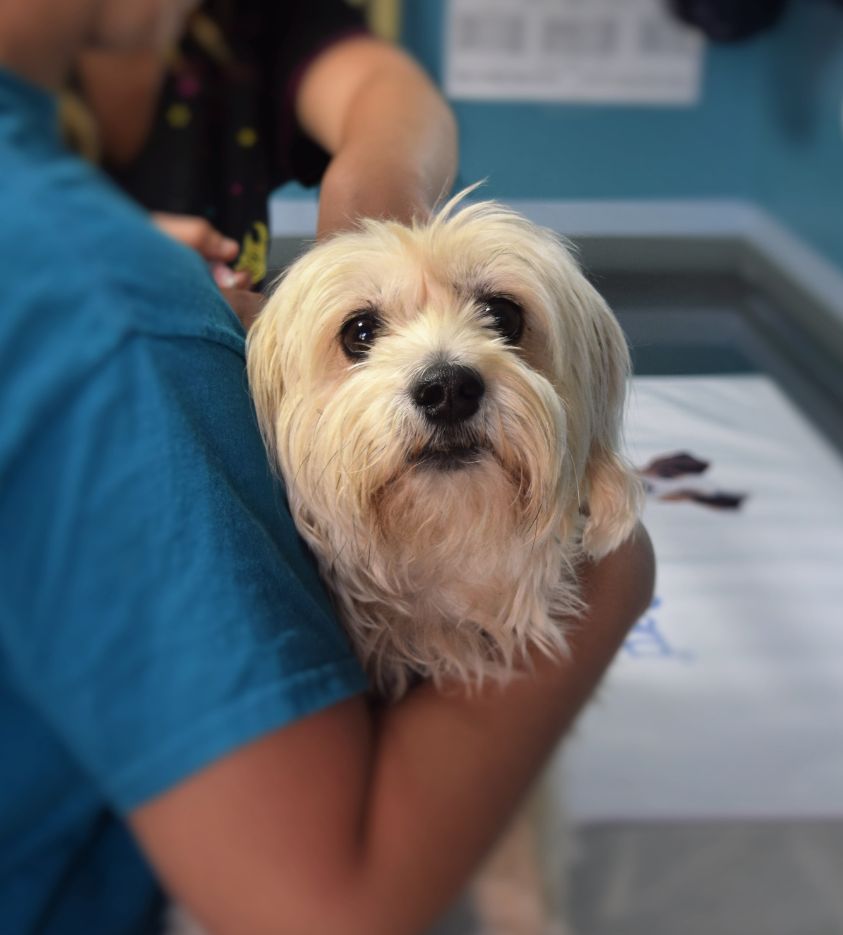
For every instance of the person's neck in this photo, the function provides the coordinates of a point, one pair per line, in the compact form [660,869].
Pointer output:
[38,42]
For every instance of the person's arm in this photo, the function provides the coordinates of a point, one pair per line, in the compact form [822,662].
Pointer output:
[391,136]
[351,821]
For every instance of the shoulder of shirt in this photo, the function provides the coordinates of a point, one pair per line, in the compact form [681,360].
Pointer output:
[80,251]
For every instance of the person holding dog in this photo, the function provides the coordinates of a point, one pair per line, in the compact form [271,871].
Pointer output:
[179,709]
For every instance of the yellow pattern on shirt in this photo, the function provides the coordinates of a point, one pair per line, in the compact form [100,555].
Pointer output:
[253,254]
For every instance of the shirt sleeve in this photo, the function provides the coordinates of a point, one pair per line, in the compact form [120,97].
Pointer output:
[162,609]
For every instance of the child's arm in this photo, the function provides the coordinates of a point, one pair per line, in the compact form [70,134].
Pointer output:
[352,822]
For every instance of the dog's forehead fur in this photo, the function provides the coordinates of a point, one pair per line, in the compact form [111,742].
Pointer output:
[400,271]
[434,271]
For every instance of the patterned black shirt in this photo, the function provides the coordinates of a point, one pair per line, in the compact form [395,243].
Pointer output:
[225,133]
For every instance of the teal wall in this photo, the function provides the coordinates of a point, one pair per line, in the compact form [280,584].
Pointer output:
[769,128]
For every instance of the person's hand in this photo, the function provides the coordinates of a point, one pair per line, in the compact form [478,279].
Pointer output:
[200,235]
[218,251]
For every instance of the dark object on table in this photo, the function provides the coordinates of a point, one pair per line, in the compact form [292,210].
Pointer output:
[675,465]
[660,471]
[719,500]
[729,20]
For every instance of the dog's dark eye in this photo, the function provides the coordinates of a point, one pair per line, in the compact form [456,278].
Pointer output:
[358,334]
[506,317]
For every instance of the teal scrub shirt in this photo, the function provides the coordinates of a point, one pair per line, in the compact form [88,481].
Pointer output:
[157,608]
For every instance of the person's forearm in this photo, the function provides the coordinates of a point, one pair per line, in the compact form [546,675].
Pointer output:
[350,822]
[448,772]
[392,137]
[394,164]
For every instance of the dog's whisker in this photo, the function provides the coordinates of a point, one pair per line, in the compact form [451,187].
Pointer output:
[534,529]
[326,465]
[301,464]
[576,480]
[338,554]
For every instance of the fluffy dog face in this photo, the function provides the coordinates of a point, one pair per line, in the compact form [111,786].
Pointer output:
[444,402]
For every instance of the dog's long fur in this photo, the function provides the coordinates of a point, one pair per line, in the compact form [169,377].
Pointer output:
[449,574]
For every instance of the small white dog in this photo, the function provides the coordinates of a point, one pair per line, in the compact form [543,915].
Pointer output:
[444,402]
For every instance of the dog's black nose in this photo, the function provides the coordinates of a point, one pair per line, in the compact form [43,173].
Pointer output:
[448,393]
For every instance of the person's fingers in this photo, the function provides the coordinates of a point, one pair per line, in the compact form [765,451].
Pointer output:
[227,278]
[198,234]
[246,305]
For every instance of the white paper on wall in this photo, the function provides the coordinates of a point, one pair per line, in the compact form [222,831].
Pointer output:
[600,51]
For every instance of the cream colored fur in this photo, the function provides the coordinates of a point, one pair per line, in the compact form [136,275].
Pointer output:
[451,575]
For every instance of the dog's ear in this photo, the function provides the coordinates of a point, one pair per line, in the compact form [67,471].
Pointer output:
[263,365]
[613,489]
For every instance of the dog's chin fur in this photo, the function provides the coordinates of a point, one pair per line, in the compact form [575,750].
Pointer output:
[459,597]
[449,553]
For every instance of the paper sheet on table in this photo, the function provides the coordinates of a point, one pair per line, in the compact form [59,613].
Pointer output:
[727,701]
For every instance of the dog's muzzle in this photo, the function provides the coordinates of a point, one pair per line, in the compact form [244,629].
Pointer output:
[448,394]
[452,458]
